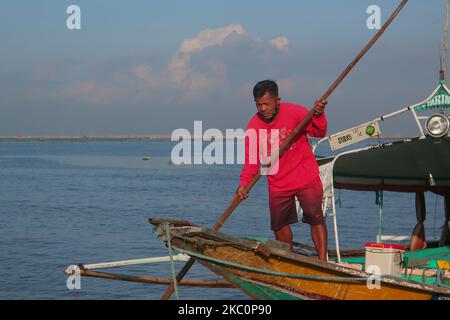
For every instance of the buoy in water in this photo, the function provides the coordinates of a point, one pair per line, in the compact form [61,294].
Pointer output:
[146,158]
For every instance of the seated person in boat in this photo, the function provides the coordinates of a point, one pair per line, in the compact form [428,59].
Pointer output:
[296,174]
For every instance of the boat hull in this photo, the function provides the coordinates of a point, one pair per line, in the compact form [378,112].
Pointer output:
[263,286]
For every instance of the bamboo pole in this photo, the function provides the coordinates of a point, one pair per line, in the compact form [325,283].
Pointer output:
[284,146]
[132,262]
[219,283]
[444,67]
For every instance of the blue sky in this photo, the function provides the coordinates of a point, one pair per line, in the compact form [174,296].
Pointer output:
[147,67]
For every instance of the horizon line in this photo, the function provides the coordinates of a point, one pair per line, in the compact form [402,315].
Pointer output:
[121,137]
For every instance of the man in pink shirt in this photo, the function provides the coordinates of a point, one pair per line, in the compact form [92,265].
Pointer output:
[297,172]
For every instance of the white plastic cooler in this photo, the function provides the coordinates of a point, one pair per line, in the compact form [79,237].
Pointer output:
[387,257]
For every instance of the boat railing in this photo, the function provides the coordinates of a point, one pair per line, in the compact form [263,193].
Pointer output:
[376,120]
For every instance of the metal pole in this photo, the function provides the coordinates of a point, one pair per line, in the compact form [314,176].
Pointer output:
[380,201]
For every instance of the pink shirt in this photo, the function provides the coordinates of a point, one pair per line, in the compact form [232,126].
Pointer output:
[298,166]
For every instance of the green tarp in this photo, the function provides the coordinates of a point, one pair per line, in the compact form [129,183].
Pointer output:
[423,257]
[413,166]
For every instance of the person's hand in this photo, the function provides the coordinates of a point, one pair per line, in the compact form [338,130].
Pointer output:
[240,192]
[319,107]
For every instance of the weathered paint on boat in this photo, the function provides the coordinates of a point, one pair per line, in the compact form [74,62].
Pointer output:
[298,288]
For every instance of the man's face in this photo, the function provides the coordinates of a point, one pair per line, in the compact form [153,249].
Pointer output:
[266,105]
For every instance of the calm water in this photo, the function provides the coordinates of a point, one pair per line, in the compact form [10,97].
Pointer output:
[65,203]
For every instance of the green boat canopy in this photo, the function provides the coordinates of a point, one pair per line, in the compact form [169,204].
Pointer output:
[416,165]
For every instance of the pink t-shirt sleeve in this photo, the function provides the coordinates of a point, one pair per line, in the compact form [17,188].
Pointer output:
[251,164]
[317,127]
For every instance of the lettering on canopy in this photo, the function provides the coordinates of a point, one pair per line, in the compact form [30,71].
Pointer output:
[354,135]
[439,101]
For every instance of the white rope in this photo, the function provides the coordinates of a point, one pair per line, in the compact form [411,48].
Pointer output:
[174,275]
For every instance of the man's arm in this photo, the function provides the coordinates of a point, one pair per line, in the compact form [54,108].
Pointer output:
[251,163]
[318,125]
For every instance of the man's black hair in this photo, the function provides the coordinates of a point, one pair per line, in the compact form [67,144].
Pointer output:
[264,86]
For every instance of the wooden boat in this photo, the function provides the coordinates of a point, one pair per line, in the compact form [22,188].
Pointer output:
[267,269]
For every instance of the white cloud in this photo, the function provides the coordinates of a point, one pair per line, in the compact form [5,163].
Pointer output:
[180,70]
[147,77]
[142,71]
[280,43]
[210,37]
[213,75]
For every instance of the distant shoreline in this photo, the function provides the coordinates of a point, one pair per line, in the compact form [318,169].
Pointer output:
[157,137]
[85,138]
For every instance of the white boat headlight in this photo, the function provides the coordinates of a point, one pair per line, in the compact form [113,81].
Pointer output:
[437,125]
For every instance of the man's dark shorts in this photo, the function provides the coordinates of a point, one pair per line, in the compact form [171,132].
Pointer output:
[284,212]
